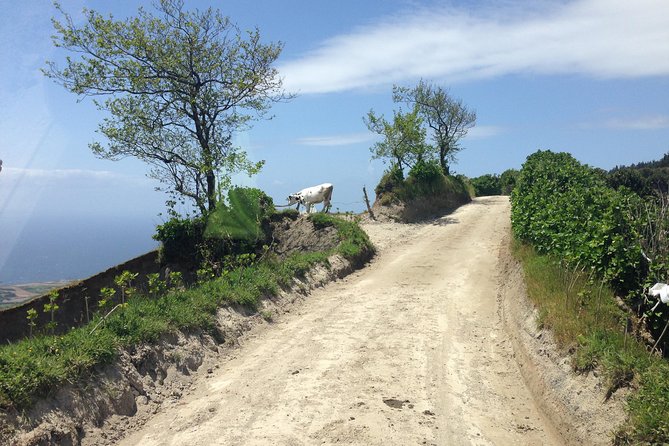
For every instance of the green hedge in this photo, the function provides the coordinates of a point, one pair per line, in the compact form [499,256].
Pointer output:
[566,209]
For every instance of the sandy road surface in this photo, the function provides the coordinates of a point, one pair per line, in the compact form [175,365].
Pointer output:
[410,350]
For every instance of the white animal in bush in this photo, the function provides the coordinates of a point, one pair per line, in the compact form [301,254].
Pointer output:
[661,291]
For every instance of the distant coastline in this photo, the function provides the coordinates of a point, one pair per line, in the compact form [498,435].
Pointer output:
[14,295]
[47,249]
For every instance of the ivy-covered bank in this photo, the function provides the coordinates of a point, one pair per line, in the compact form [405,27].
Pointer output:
[591,245]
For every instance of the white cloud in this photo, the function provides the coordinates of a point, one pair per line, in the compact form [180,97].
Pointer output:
[643,123]
[337,140]
[58,174]
[484,131]
[599,38]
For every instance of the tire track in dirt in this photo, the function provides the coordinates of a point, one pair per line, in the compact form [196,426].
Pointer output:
[410,350]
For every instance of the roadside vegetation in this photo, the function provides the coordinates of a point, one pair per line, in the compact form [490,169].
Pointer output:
[234,266]
[425,180]
[589,253]
[491,184]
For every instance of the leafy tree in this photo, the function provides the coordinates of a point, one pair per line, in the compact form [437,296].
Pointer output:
[507,180]
[448,118]
[488,184]
[403,141]
[177,85]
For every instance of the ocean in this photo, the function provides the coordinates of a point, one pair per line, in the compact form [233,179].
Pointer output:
[50,248]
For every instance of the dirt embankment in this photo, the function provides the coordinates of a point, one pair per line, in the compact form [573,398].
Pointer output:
[433,344]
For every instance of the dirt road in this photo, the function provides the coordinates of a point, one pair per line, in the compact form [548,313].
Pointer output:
[410,350]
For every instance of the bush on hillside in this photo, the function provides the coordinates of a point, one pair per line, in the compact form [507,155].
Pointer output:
[390,182]
[180,239]
[237,226]
[425,193]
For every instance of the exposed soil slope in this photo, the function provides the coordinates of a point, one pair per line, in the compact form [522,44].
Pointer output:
[411,350]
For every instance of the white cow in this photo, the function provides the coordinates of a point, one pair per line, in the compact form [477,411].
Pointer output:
[311,196]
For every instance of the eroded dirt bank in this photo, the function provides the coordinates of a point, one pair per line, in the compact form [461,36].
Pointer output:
[411,350]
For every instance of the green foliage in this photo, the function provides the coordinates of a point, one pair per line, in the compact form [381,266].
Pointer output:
[156,286]
[645,179]
[177,85]
[175,280]
[124,282]
[566,209]
[51,308]
[403,143]
[180,239]
[392,180]
[507,180]
[630,179]
[426,190]
[31,315]
[488,184]
[447,119]
[34,366]
[425,179]
[426,172]
[467,184]
[648,408]
[236,227]
[243,218]
[106,296]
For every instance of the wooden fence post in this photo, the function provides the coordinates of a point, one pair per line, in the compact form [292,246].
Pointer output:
[369,208]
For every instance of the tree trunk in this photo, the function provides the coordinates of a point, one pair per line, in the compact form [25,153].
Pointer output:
[211,190]
[442,160]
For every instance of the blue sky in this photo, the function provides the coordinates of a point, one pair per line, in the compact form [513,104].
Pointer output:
[586,76]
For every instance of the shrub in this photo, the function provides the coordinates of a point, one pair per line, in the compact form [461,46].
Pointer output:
[243,219]
[425,179]
[236,227]
[180,239]
[565,209]
[507,180]
[487,185]
[391,181]
[426,172]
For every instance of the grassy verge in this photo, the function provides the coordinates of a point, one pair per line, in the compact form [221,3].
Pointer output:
[35,366]
[586,321]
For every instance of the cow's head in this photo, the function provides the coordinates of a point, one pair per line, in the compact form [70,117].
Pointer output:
[295,198]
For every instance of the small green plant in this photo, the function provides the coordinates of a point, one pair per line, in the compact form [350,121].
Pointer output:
[175,280]
[156,286]
[51,308]
[31,315]
[124,282]
[267,315]
[106,295]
